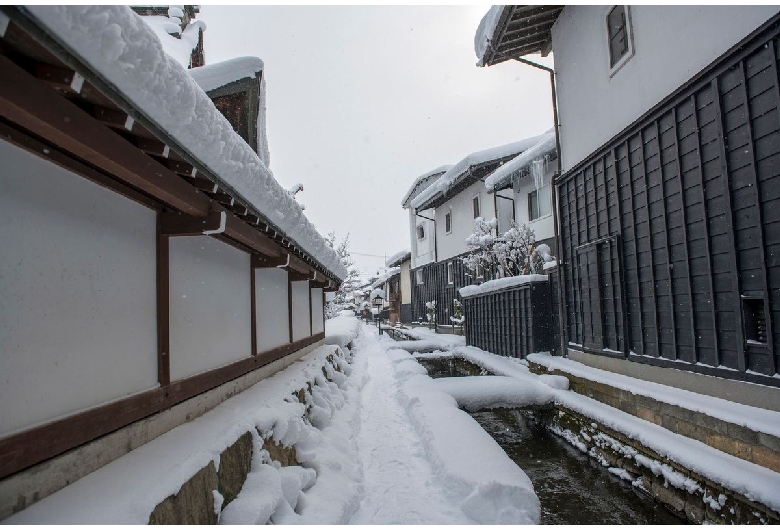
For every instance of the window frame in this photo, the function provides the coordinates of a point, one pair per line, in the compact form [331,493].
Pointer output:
[448,222]
[450,273]
[613,68]
[533,197]
[418,277]
[476,206]
[420,228]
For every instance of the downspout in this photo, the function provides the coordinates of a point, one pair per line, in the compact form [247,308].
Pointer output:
[562,313]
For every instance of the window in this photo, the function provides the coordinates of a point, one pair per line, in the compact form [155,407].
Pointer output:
[450,273]
[475,205]
[418,275]
[619,37]
[479,272]
[539,203]
[420,232]
[754,314]
[448,222]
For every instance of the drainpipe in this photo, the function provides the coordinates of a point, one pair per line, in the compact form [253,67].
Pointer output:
[562,313]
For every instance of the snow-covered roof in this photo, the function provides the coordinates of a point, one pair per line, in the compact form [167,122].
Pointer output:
[485,31]
[398,258]
[389,273]
[509,32]
[422,182]
[165,28]
[460,170]
[502,177]
[119,47]
[213,76]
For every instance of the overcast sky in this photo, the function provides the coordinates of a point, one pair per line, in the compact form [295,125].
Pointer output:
[362,100]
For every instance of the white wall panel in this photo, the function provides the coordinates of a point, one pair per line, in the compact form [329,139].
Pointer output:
[301,312]
[272,312]
[454,243]
[210,305]
[317,313]
[78,317]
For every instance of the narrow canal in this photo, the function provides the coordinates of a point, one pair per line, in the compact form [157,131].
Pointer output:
[572,488]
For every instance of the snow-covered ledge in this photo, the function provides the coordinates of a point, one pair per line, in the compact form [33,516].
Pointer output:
[500,284]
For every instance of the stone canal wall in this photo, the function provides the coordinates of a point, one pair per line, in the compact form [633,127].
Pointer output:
[696,498]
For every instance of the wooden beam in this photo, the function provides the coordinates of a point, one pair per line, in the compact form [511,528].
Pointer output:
[179,224]
[61,79]
[238,230]
[152,147]
[25,449]
[114,118]
[26,101]
[163,305]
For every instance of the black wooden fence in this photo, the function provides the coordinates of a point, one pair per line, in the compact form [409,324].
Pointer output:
[513,322]
[671,231]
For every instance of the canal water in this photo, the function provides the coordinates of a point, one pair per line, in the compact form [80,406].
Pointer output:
[572,488]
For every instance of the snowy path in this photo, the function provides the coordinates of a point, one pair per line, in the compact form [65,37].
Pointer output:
[399,482]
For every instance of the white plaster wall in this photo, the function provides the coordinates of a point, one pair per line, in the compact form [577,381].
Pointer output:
[504,209]
[454,243]
[543,226]
[78,303]
[272,311]
[422,250]
[406,284]
[301,314]
[210,305]
[671,45]
[317,312]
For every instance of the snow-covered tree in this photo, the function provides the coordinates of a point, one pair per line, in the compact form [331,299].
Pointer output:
[457,308]
[430,309]
[345,294]
[513,253]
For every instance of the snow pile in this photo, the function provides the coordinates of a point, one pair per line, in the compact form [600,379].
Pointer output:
[756,419]
[487,485]
[341,330]
[398,258]
[424,345]
[422,182]
[128,489]
[501,284]
[127,54]
[179,49]
[502,177]
[443,341]
[489,392]
[213,76]
[377,293]
[485,32]
[456,173]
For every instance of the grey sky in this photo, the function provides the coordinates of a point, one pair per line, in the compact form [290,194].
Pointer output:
[362,100]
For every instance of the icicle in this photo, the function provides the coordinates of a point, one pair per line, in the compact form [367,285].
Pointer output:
[538,169]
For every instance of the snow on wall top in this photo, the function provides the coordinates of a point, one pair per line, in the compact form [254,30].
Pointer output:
[122,49]
[485,31]
[456,172]
[500,284]
[398,258]
[504,174]
[213,76]
[422,182]
[181,48]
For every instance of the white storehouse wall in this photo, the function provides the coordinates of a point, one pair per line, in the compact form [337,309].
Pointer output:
[423,250]
[78,304]
[543,226]
[671,44]
[210,305]
[272,312]
[317,315]
[454,243]
[301,312]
